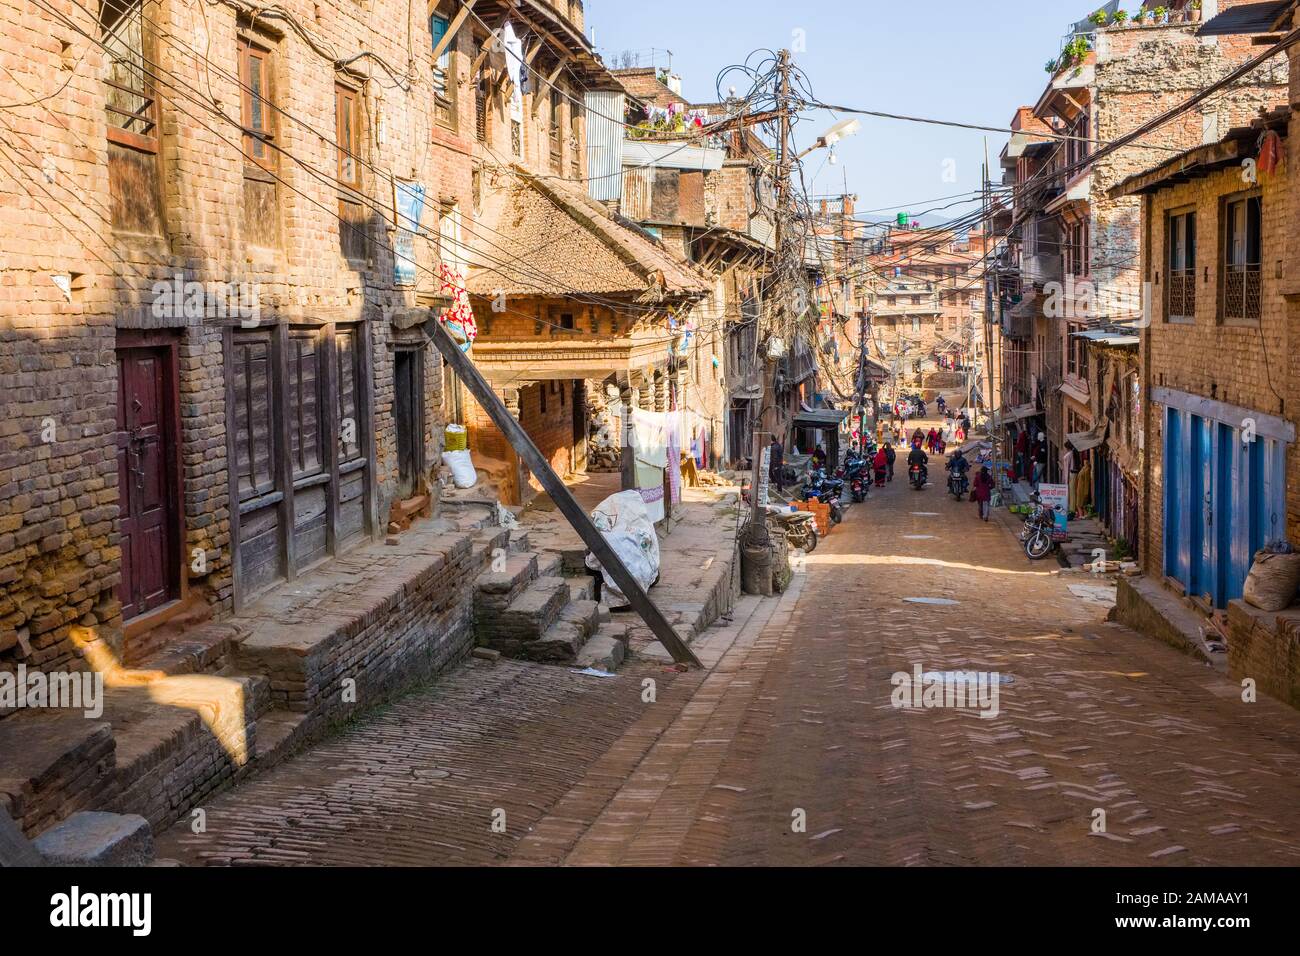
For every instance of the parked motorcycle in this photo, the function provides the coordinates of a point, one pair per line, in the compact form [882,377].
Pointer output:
[800,527]
[856,472]
[827,490]
[1039,535]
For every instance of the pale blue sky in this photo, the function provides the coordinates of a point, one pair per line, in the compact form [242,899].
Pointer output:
[943,59]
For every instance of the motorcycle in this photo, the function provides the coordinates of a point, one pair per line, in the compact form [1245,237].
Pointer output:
[826,490]
[958,485]
[800,528]
[1039,536]
[855,472]
[916,475]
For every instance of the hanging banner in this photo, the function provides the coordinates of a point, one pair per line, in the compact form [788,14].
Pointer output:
[1058,497]
[408,201]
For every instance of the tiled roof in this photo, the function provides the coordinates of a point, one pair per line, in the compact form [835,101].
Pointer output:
[1247,18]
[547,237]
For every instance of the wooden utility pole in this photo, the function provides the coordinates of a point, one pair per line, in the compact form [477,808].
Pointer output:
[469,374]
[768,419]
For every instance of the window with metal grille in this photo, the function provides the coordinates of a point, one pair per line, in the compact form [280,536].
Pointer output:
[1240,299]
[129,105]
[444,80]
[1180,286]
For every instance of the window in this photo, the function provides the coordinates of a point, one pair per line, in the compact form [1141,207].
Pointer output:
[253,415]
[347,344]
[444,80]
[129,103]
[255,114]
[1180,285]
[347,120]
[306,434]
[352,215]
[1076,249]
[1241,259]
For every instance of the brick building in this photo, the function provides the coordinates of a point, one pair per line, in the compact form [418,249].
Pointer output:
[1079,243]
[214,372]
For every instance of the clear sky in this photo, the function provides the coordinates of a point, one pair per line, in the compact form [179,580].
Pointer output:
[943,59]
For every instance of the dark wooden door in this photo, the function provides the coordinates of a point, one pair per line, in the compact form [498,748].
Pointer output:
[146,479]
[408,412]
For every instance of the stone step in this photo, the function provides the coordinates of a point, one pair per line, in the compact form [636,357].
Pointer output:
[277,735]
[95,838]
[499,588]
[583,613]
[487,541]
[519,541]
[561,644]
[54,763]
[532,613]
[549,564]
[603,653]
[582,588]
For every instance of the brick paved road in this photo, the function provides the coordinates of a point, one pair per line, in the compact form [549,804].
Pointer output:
[796,715]
[1097,717]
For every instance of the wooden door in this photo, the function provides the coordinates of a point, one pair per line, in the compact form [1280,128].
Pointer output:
[147,478]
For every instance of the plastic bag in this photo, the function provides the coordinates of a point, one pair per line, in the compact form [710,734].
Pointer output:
[1273,579]
[624,522]
[462,468]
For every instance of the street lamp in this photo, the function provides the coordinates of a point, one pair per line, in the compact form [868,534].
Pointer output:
[833,135]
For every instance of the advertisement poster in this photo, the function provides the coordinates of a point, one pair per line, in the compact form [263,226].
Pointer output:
[1057,496]
[408,197]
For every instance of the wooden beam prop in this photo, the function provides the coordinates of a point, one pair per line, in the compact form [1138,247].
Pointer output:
[456,23]
[468,373]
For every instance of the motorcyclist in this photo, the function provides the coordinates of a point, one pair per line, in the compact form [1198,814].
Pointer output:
[919,457]
[958,465]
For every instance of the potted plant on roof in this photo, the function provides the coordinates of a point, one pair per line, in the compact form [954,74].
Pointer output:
[1160,14]
[1119,17]
[1140,18]
[1194,11]
[1098,18]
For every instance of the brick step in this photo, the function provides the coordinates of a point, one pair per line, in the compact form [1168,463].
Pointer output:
[196,650]
[519,541]
[607,649]
[585,613]
[495,591]
[582,589]
[561,644]
[530,615]
[180,739]
[487,541]
[278,734]
[54,763]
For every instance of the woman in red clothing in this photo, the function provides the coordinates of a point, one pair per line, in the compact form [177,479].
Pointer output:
[982,491]
[881,466]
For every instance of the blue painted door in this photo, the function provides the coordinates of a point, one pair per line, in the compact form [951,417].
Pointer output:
[1200,501]
[1175,503]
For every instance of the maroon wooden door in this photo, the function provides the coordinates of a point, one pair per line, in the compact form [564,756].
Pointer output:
[146,479]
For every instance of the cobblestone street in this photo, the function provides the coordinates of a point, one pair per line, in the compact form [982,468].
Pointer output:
[793,717]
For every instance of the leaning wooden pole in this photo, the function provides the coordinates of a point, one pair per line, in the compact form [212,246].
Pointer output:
[569,507]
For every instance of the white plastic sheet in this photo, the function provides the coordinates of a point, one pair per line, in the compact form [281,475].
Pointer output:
[626,525]
[462,468]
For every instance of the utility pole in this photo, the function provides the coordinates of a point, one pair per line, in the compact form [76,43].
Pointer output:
[768,418]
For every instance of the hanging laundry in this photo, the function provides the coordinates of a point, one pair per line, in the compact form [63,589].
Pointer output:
[514,48]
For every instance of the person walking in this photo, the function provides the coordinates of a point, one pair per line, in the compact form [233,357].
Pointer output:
[881,466]
[890,455]
[982,490]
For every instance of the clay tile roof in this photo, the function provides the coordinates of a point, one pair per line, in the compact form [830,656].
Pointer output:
[548,237]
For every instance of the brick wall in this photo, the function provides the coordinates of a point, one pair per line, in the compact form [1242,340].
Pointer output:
[1229,362]
[59,549]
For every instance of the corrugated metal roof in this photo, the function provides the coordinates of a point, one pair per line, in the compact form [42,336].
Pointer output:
[1247,18]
